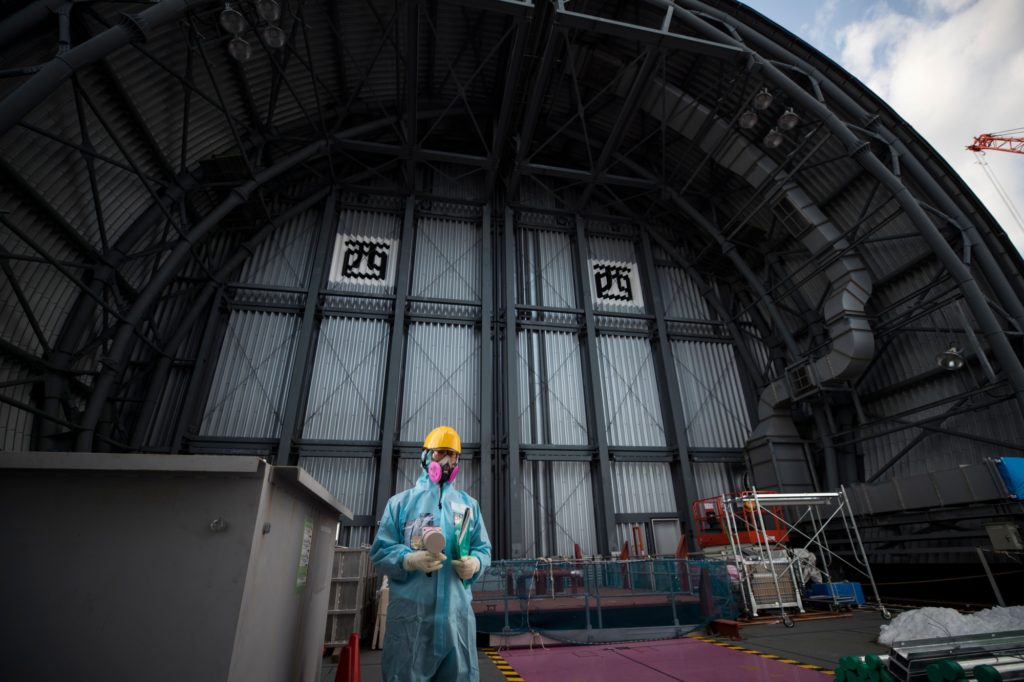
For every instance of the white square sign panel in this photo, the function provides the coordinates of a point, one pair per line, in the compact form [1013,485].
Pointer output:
[615,283]
[359,259]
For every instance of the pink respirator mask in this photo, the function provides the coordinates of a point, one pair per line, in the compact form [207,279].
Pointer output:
[438,473]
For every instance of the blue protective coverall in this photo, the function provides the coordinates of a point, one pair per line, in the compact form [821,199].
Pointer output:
[431,629]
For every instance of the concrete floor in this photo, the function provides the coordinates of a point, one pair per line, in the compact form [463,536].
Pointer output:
[817,642]
[820,642]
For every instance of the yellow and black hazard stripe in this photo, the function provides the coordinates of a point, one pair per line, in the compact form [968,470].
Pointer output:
[501,664]
[773,657]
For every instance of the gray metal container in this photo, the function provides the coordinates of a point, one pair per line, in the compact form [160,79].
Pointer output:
[127,566]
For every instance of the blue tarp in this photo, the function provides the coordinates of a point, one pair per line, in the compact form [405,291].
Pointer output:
[1012,469]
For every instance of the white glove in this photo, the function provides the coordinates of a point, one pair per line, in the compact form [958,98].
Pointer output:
[466,568]
[422,560]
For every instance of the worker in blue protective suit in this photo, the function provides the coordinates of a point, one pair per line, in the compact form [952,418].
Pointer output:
[431,629]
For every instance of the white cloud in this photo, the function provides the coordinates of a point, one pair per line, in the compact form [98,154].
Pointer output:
[953,71]
[817,30]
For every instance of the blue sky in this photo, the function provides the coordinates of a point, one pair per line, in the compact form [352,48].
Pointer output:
[951,68]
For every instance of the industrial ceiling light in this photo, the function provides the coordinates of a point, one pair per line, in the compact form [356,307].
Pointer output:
[232,20]
[268,10]
[788,120]
[763,99]
[773,139]
[950,359]
[274,37]
[240,49]
[748,119]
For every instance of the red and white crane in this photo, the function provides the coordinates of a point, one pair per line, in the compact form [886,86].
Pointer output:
[1011,141]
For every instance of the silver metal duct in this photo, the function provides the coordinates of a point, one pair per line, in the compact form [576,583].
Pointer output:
[775,447]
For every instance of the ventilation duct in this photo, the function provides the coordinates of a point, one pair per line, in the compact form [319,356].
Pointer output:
[776,450]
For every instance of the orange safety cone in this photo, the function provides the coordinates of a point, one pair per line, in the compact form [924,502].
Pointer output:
[353,644]
[348,661]
[344,671]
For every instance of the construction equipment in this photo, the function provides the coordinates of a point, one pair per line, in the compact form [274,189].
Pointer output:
[767,567]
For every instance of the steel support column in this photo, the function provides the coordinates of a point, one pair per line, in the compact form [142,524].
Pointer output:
[305,345]
[683,483]
[396,358]
[514,506]
[605,502]
[486,371]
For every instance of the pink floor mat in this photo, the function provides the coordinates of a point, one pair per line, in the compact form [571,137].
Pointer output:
[662,661]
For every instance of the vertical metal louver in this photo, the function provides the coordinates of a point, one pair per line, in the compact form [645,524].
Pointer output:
[248,388]
[442,381]
[447,260]
[713,402]
[643,488]
[558,508]
[552,405]
[632,404]
[283,259]
[346,391]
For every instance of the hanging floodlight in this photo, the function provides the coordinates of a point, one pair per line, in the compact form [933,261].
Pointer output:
[773,139]
[268,10]
[274,37]
[232,20]
[763,99]
[240,49]
[788,120]
[748,119]
[950,359]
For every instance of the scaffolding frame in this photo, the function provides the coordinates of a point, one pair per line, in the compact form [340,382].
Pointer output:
[770,551]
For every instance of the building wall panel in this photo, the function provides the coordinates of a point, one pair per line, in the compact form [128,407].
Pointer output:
[632,405]
[552,405]
[643,488]
[447,260]
[247,395]
[713,404]
[442,381]
[346,392]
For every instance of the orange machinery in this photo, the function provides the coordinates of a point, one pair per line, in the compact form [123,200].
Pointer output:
[709,520]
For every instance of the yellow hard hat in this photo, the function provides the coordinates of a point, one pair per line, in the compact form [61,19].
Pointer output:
[443,438]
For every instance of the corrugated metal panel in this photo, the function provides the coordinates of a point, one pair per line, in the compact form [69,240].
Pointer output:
[1002,422]
[351,479]
[442,381]
[447,260]
[643,488]
[681,295]
[574,510]
[169,409]
[346,392]
[561,493]
[252,375]
[368,223]
[632,405]
[283,259]
[552,407]
[546,275]
[716,478]
[713,404]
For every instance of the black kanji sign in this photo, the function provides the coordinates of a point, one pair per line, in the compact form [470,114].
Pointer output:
[365,259]
[613,282]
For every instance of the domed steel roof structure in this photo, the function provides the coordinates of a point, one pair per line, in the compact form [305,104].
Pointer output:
[637,253]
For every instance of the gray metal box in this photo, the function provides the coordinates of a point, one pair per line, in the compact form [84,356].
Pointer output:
[150,567]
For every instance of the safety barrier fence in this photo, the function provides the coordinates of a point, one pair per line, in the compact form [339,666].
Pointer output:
[594,600]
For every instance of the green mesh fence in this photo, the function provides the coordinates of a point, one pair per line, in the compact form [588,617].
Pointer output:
[591,601]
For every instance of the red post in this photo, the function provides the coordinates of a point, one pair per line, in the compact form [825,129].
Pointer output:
[348,661]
